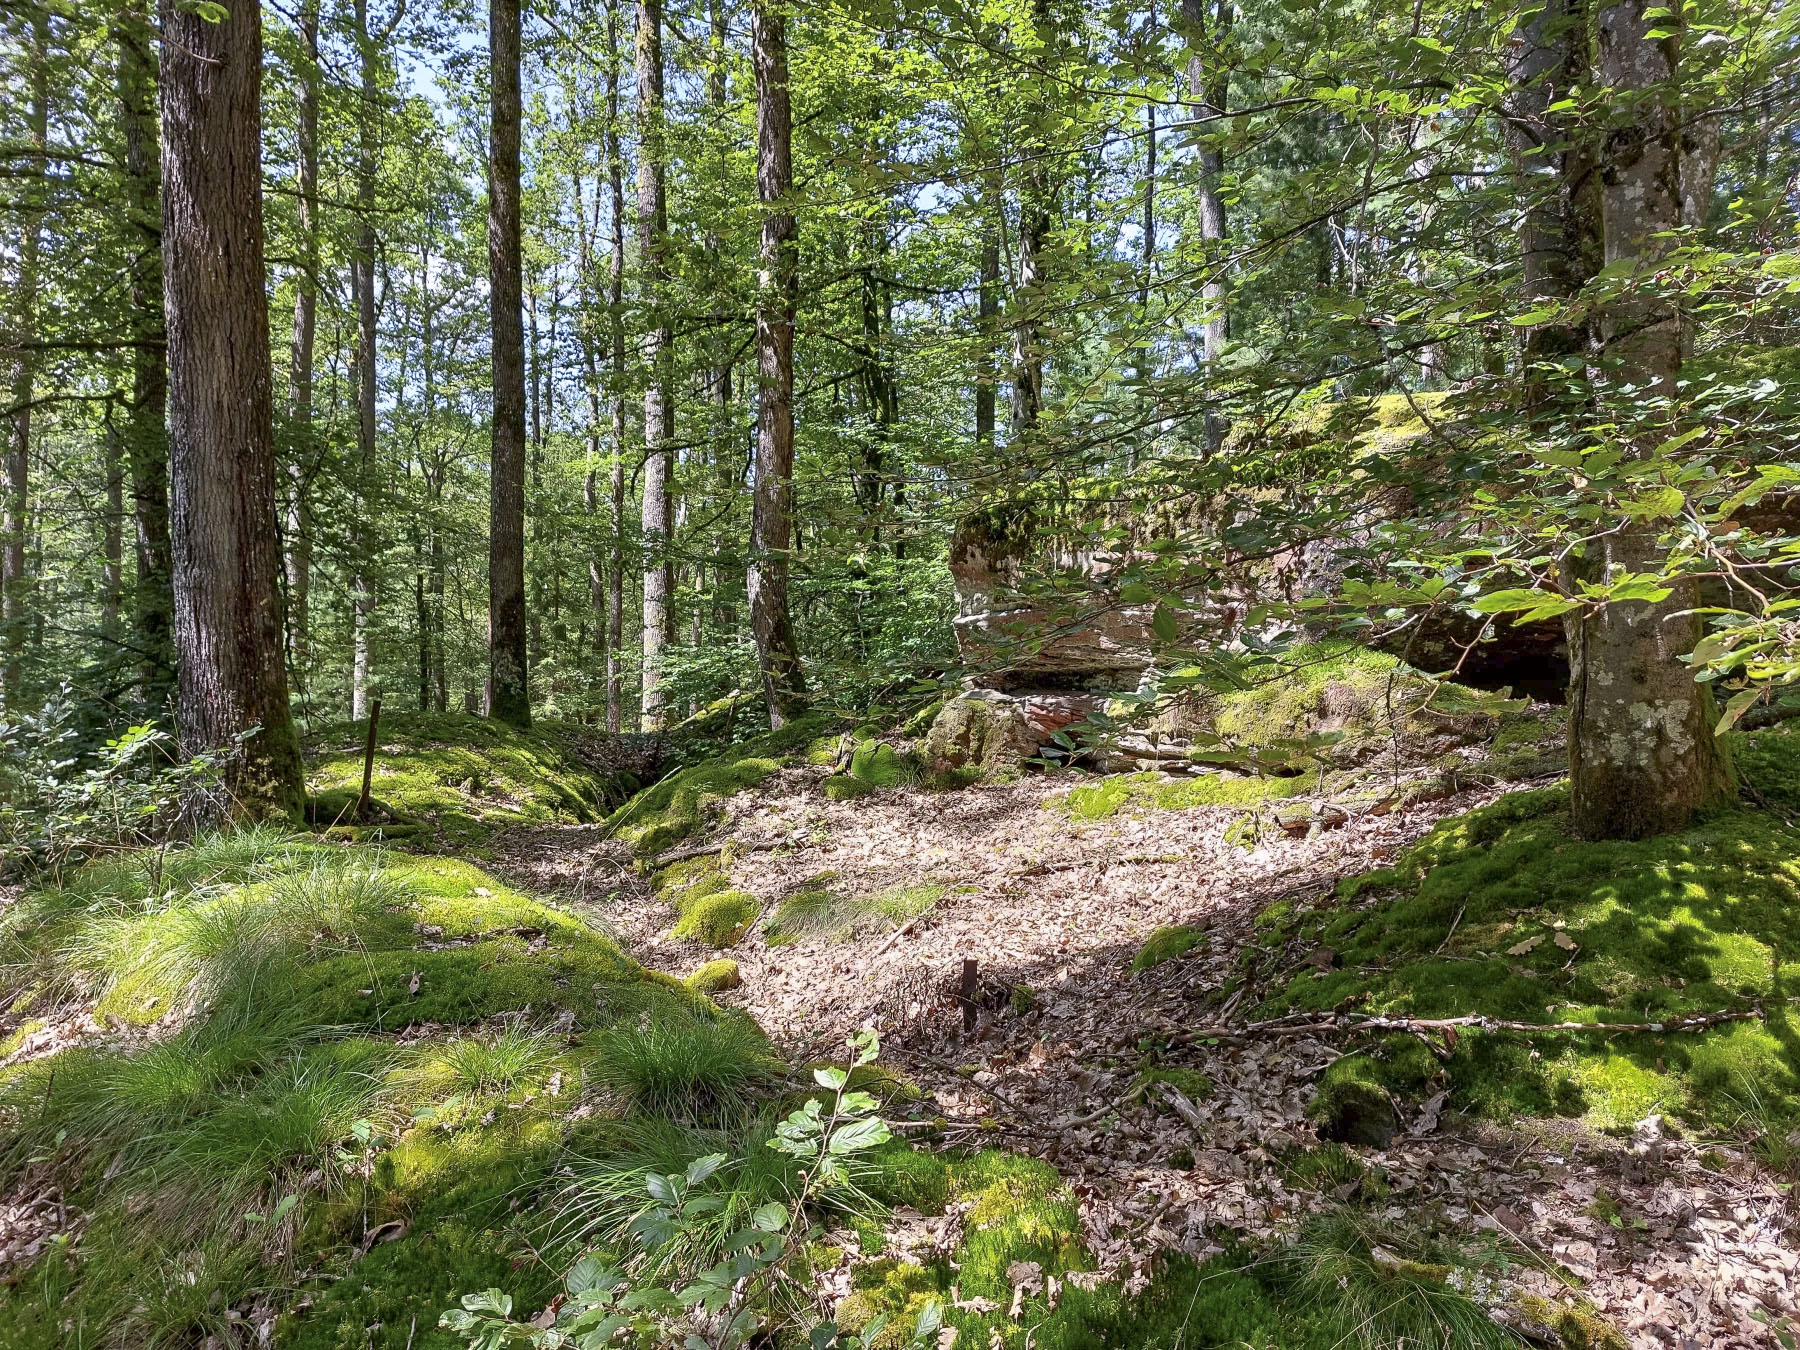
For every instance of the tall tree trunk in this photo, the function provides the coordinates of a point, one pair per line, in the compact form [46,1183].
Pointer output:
[724,448]
[652,214]
[1554,162]
[508,694]
[146,434]
[15,492]
[112,535]
[298,536]
[772,506]
[1210,94]
[233,692]
[615,305]
[1642,754]
[987,308]
[362,285]
[590,369]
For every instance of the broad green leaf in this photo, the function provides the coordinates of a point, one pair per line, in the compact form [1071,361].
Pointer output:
[1736,708]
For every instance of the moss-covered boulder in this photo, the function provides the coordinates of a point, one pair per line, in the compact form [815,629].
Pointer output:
[980,729]
[1353,1106]
[878,764]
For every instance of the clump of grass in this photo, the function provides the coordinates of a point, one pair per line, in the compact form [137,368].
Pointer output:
[496,1064]
[1390,1286]
[825,913]
[1165,944]
[685,1067]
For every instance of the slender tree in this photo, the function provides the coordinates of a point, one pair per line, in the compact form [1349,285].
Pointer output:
[15,491]
[298,535]
[615,308]
[1208,91]
[1642,754]
[508,696]
[659,456]
[233,692]
[146,433]
[362,289]
[772,520]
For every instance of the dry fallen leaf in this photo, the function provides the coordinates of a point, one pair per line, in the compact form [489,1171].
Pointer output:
[1567,943]
[1521,948]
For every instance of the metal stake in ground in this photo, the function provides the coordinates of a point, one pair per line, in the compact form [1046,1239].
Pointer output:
[967,997]
[362,802]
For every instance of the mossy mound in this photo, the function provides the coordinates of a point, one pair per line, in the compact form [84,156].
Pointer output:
[878,764]
[718,918]
[681,804]
[1165,944]
[1503,912]
[715,977]
[255,1112]
[450,779]
[843,787]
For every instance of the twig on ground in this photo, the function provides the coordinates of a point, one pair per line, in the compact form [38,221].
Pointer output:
[1299,1025]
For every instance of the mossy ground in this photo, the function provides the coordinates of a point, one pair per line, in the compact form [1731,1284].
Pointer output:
[821,912]
[1161,792]
[1016,1210]
[269,1117]
[661,816]
[1503,912]
[448,780]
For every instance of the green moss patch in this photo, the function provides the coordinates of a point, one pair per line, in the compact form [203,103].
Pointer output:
[1502,912]
[677,807]
[1165,944]
[451,779]
[820,912]
[715,977]
[1160,792]
[718,919]
[879,765]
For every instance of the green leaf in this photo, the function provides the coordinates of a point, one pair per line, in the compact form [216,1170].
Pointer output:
[661,1188]
[1736,708]
[859,1135]
[1656,504]
[702,1168]
[771,1217]
[1162,623]
[489,1301]
[831,1079]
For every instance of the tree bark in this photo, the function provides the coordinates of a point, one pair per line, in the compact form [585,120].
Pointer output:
[615,305]
[15,492]
[233,693]
[298,535]
[362,285]
[1642,754]
[508,694]
[146,432]
[1210,97]
[772,507]
[1554,161]
[658,509]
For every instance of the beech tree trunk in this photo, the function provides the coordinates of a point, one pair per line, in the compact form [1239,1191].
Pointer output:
[772,508]
[233,691]
[298,536]
[658,510]
[508,695]
[1642,754]
[15,492]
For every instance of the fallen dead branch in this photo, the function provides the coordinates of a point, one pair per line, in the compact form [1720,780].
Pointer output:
[1304,1025]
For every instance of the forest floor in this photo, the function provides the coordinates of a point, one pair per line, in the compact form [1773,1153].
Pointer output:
[1674,1240]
